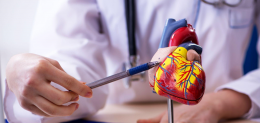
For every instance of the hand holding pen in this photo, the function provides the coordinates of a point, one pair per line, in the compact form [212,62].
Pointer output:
[29,77]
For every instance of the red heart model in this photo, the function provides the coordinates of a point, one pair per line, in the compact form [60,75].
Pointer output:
[176,77]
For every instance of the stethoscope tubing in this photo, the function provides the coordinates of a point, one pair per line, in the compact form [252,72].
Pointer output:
[220,2]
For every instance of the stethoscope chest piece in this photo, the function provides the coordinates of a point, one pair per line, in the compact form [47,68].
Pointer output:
[134,78]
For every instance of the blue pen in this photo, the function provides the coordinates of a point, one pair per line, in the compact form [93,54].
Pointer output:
[123,74]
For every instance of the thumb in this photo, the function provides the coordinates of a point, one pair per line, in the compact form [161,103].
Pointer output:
[192,55]
[159,56]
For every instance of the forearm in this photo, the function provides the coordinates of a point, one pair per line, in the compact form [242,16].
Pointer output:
[230,104]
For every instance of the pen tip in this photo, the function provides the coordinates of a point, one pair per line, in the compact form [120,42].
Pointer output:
[157,62]
[153,64]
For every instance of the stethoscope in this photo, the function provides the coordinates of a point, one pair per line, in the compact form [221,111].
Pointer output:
[130,24]
[133,58]
[222,2]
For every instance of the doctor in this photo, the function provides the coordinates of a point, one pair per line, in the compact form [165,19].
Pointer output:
[88,40]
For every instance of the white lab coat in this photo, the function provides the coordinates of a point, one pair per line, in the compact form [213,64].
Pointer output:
[89,39]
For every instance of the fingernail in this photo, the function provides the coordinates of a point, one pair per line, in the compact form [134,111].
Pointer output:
[76,99]
[77,106]
[89,94]
[82,82]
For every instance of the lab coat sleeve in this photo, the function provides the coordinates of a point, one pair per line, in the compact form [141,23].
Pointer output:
[250,83]
[70,32]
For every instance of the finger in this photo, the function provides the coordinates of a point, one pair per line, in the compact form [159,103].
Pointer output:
[162,53]
[192,55]
[57,96]
[57,65]
[26,104]
[159,56]
[54,63]
[153,120]
[52,109]
[37,111]
[82,82]
[60,77]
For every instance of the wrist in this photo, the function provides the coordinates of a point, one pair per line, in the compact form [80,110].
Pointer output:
[216,106]
[228,104]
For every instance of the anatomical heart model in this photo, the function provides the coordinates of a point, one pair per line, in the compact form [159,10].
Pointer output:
[176,77]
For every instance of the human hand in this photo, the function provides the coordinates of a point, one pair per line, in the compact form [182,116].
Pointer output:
[29,76]
[204,112]
[162,53]
[224,104]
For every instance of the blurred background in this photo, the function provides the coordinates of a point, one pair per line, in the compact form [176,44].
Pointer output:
[16,20]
